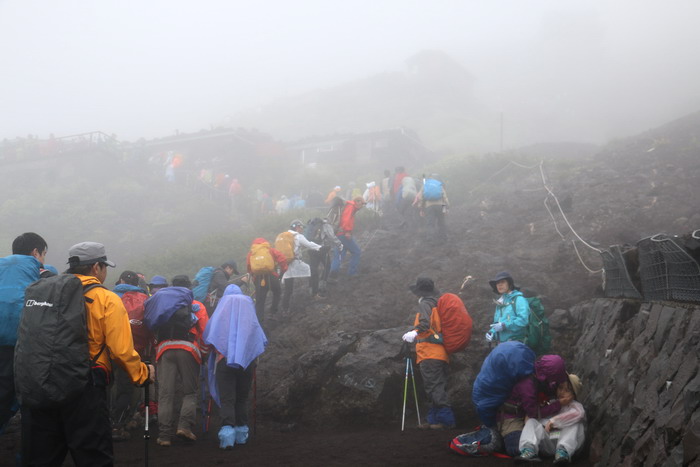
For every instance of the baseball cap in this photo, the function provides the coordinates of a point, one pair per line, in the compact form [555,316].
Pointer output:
[88,253]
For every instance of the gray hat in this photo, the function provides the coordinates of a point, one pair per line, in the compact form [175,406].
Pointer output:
[88,253]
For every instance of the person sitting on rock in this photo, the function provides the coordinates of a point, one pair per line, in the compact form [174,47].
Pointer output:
[534,396]
[431,356]
[511,316]
[235,333]
[560,436]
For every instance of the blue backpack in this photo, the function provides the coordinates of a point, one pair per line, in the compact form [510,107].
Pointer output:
[432,190]
[483,441]
[200,285]
[169,313]
[16,273]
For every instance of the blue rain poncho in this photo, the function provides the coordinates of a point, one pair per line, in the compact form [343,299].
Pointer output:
[234,331]
[507,364]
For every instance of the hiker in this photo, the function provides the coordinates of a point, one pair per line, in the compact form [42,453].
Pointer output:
[399,174]
[17,271]
[533,396]
[560,436]
[237,339]
[320,231]
[333,193]
[373,197]
[265,264]
[511,316]
[405,199]
[219,281]
[124,394]
[296,268]
[386,190]
[179,355]
[157,283]
[433,202]
[431,356]
[344,234]
[81,424]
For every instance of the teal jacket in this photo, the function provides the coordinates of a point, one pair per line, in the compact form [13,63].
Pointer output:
[514,312]
[16,273]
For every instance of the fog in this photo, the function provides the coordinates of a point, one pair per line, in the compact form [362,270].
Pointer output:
[578,70]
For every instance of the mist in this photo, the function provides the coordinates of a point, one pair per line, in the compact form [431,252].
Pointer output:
[585,71]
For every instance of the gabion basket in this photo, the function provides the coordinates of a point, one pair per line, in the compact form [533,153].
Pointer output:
[667,271]
[618,283]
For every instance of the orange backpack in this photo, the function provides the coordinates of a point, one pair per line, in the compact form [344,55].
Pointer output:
[261,261]
[455,322]
[284,243]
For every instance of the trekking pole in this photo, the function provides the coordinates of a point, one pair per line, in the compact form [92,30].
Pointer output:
[415,393]
[405,392]
[146,409]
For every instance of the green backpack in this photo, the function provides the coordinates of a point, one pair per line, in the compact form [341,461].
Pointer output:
[537,337]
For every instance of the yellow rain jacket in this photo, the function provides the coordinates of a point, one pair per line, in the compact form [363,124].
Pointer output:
[108,323]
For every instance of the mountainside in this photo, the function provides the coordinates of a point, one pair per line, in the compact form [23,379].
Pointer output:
[339,359]
[433,94]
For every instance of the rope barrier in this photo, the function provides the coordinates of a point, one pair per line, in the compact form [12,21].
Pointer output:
[573,242]
[549,210]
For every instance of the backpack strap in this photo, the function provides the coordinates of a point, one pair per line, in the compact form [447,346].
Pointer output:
[531,313]
[86,289]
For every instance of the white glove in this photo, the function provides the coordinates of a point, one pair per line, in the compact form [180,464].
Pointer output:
[410,336]
[498,327]
[340,247]
[489,336]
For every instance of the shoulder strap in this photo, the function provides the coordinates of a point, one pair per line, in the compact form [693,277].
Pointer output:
[87,288]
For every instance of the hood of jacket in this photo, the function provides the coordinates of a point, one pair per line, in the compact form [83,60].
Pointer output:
[550,370]
[233,289]
[121,289]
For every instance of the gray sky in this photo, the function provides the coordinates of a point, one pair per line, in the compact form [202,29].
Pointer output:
[596,69]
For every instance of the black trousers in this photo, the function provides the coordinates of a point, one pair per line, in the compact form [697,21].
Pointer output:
[7,383]
[272,283]
[435,219]
[80,427]
[318,259]
[234,391]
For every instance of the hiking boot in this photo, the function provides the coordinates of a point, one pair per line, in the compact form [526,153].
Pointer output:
[561,456]
[186,434]
[527,455]
[164,442]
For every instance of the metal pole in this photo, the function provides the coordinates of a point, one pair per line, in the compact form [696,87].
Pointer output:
[146,434]
[405,392]
[415,392]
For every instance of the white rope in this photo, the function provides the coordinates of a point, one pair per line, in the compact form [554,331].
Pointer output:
[551,214]
[573,242]
[553,220]
[544,182]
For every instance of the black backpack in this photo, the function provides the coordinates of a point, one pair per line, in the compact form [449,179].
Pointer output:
[314,230]
[169,314]
[52,357]
[178,327]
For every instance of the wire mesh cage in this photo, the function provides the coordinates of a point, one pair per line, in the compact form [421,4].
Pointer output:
[618,283]
[667,271]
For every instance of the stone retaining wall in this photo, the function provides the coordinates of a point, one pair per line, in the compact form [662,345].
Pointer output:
[639,365]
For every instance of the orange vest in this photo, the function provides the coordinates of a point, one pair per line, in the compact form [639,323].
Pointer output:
[428,350]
